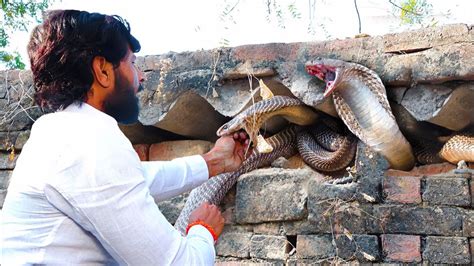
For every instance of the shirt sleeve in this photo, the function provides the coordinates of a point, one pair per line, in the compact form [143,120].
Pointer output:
[113,202]
[167,179]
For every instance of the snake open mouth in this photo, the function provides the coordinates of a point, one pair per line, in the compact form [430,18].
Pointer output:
[324,73]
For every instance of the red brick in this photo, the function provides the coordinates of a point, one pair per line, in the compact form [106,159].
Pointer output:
[401,248]
[424,170]
[142,151]
[402,189]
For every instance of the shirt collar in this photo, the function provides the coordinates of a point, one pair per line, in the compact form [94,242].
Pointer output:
[84,108]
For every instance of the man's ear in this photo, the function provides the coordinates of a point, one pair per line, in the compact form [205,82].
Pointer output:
[103,71]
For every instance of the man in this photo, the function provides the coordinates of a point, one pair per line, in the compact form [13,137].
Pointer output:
[79,194]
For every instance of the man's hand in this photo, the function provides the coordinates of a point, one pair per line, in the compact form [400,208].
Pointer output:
[227,154]
[209,214]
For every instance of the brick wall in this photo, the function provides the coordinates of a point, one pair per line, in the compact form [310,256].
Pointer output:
[297,215]
[290,214]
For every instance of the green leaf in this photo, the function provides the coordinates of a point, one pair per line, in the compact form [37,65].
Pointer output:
[17,16]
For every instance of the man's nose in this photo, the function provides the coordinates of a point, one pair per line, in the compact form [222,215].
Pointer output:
[141,76]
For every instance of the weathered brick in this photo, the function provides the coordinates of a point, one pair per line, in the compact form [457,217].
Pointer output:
[7,161]
[453,250]
[302,227]
[5,179]
[402,189]
[471,191]
[271,194]
[142,151]
[364,247]
[235,244]
[399,219]
[332,216]
[401,248]
[314,247]
[471,245]
[3,194]
[320,191]
[423,170]
[468,223]
[370,170]
[172,208]
[426,38]
[269,247]
[7,139]
[169,150]
[20,141]
[268,229]
[447,191]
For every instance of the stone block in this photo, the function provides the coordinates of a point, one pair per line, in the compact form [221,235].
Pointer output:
[433,95]
[3,194]
[331,215]
[234,244]
[402,42]
[315,247]
[456,111]
[402,189]
[142,151]
[20,141]
[7,139]
[266,195]
[268,229]
[364,248]
[447,191]
[452,250]
[172,208]
[320,191]
[302,227]
[370,168]
[471,190]
[401,248]
[5,179]
[269,247]
[471,244]
[421,220]
[169,150]
[7,161]
[468,223]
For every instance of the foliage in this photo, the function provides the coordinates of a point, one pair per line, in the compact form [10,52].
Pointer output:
[416,12]
[17,15]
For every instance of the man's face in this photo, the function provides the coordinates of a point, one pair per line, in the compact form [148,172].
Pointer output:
[122,104]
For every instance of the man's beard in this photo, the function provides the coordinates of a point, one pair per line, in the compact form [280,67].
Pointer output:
[122,104]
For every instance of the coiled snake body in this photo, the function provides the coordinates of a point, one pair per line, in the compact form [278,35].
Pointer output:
[361,102]
[213,190]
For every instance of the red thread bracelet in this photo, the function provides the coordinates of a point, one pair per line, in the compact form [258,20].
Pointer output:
[208,227]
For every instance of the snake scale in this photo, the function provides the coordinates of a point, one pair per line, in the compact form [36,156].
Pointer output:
[213,190]
[361,102]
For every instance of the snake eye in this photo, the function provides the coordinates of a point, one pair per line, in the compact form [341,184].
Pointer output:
[225,127]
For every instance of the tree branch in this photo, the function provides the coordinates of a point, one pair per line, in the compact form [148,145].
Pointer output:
[358,16]
[404,9]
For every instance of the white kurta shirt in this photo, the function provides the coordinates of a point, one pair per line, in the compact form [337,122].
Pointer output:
[80,195]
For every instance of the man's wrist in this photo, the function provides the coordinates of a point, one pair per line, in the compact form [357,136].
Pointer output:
[214,165]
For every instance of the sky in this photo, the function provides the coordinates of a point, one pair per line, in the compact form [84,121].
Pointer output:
[186,25]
